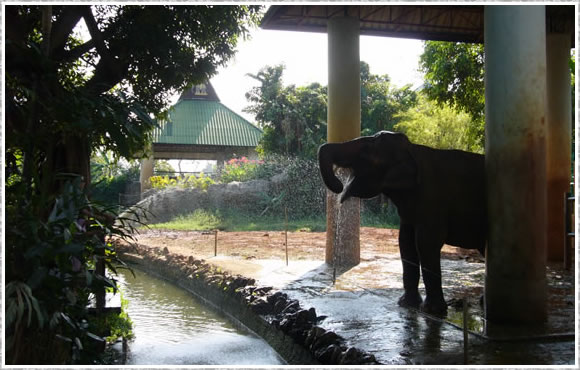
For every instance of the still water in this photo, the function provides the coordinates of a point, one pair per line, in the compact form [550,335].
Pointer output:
[172,327]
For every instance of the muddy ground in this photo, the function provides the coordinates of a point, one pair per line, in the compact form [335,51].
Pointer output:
[271,244]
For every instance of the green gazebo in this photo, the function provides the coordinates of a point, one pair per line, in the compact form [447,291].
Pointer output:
[200,127]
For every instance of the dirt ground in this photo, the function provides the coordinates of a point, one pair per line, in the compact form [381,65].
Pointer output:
[271,244]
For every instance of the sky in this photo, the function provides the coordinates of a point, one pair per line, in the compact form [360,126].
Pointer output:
[306,60]
[305,56]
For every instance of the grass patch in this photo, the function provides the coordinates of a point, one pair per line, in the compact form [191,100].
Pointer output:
[202,220]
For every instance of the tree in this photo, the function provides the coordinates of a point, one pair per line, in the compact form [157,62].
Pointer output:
[293,118]
[454,75]
[68,93]
[438,126]
[381,101]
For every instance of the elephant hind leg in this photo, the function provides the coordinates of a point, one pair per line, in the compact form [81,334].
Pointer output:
[411,265]
[429,247]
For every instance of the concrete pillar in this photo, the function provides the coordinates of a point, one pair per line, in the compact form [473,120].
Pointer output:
[343,244]
[146,172]
[559,139]
[515,93]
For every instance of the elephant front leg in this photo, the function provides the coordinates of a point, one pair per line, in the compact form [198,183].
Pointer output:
[430,256]
[410,260]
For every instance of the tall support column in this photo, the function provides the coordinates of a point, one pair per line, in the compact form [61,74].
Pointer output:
[344,123]
[515,93]
[146,173]
[559,139]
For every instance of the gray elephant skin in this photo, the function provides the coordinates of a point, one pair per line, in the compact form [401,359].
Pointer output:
[439,195]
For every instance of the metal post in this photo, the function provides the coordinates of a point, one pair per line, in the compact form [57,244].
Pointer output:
[465,336]
[286,232]
[215,243]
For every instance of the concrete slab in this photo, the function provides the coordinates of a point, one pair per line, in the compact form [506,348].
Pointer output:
[360,304]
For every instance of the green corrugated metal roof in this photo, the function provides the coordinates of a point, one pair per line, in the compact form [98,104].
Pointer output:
[203,122]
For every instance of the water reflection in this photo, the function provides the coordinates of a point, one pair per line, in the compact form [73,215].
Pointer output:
[172,328]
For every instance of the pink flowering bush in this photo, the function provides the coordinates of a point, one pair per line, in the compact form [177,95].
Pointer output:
[240,169]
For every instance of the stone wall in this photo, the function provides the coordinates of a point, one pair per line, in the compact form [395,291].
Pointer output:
[164,205]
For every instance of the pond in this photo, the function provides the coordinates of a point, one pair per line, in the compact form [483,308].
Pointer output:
[172,327]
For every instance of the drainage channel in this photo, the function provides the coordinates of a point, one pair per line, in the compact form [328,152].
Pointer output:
[172,327]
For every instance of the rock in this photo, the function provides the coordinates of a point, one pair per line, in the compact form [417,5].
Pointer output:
[312,315]
[280,305]
[351,356]
[302,317]
[314,333]
[277,296]
[291,307]
[286,324]
[263,290]
[369,359]
[298,333]
[261,306]
[328,355]
[326,339]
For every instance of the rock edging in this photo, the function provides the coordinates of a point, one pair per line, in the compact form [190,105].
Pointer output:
[291,330]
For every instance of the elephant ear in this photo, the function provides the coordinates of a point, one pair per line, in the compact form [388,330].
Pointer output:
[403,175]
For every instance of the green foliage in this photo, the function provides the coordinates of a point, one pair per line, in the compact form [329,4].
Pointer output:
[163,166]
[110,178]
[293,118]
[454,75]
[68,94]
[381,102]
[51,272]
[201,182]
[113,325]
[234,220]
[376,213]
[200,220]
[438,126]
[162,182]
[242,169]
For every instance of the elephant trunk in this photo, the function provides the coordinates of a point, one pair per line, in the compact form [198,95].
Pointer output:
[340,154]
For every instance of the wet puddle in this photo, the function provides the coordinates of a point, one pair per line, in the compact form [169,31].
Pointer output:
[361,306]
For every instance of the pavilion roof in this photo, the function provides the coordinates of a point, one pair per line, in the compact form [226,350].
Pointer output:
[425,22]
[200,119]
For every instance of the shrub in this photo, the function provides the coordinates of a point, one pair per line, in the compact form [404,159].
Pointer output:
[162,182]
[52,269]
[242,169]
[201,182]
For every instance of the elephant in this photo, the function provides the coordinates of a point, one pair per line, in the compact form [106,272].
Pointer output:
[439,194]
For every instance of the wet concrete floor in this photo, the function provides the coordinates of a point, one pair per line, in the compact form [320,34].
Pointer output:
[360,305]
